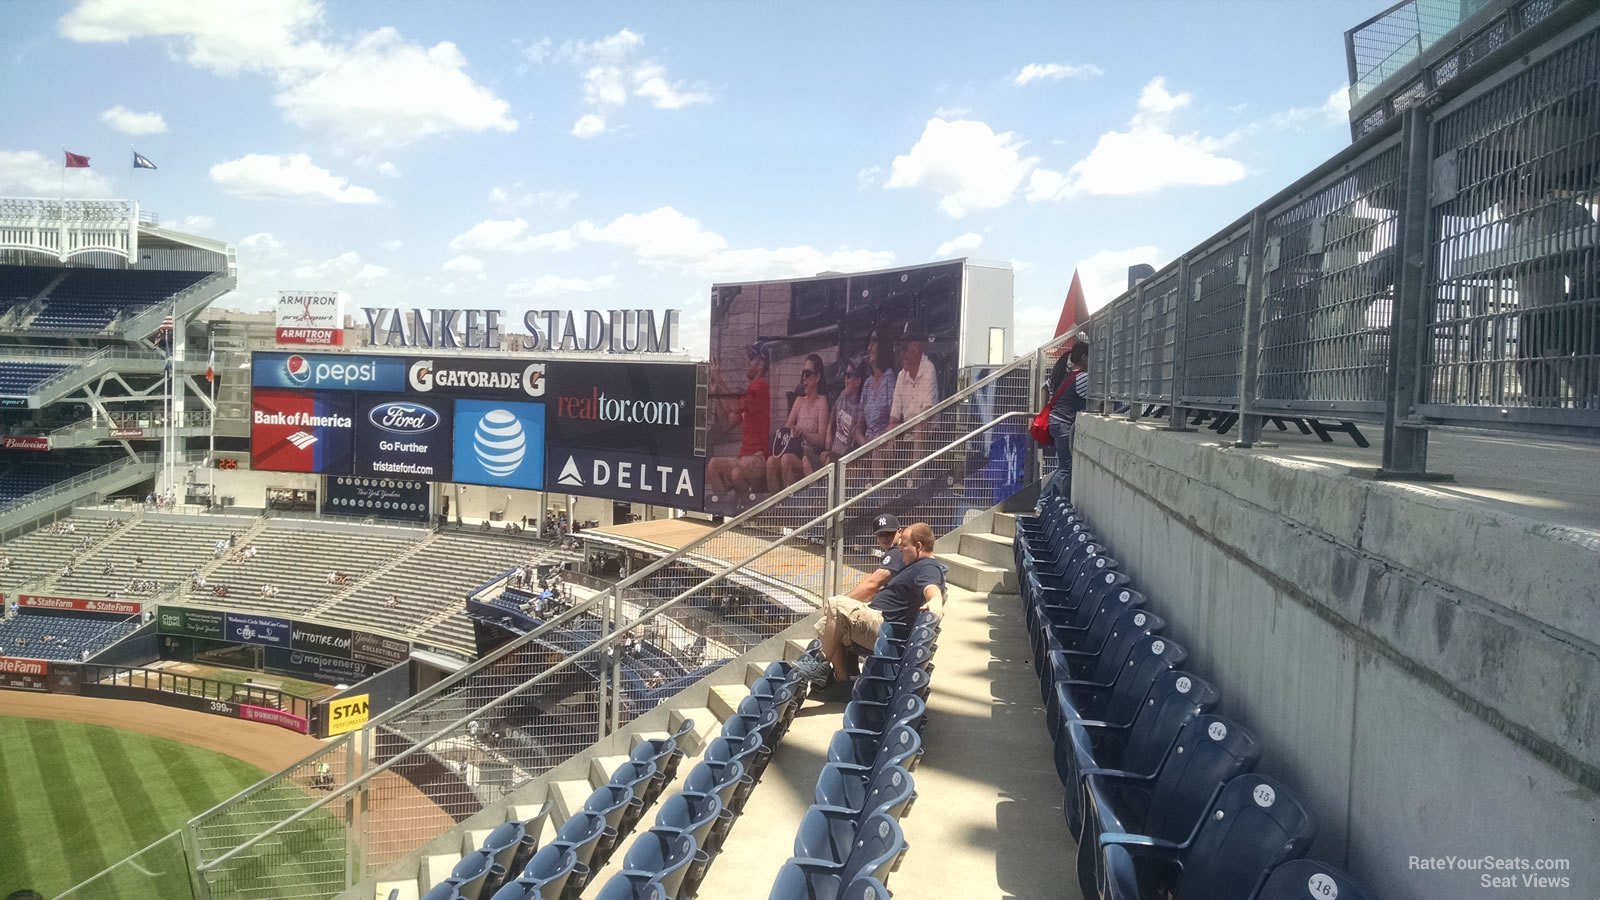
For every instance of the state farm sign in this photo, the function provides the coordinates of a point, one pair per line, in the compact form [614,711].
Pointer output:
[120,607]
[11,665]
[310,317]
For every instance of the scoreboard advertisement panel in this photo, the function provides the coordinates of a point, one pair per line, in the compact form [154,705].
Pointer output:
[634,429]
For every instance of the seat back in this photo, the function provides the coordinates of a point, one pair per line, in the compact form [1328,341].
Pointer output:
[581,834]
[906,709]
[611,801]
[469,874]
[740,749]
[1210,752]
[865,888]
[1132,626]
[633,774]
[550,868]
[632,886]
[899,746]
[658,852]
[1176,699]
[1299,879]
[715,778]
[1152,656]
[877,845]
[502,842]
[1256,823]
[693,814]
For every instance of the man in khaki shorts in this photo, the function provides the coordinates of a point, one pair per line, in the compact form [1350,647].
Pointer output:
[847,621]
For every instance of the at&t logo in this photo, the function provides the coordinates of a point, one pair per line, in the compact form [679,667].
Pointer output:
[500,443]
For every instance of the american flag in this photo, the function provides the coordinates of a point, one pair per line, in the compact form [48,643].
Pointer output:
[166,324]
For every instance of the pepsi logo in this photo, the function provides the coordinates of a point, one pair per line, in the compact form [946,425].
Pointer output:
[404,418]
[298,369]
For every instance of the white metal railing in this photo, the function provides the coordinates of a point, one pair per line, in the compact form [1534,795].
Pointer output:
[78,481]
[146,322]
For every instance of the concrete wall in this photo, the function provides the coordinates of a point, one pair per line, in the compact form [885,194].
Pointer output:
[1424,671]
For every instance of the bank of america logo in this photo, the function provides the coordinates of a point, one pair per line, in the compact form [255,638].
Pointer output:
[569,474]
[302,439]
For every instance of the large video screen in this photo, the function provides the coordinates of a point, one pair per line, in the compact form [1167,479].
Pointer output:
[625,431]
[805,371]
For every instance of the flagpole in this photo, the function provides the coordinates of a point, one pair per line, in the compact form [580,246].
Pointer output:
[211,454]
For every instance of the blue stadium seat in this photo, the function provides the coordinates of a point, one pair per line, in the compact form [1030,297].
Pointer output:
[581,834]
[1299,879]
[532,834]
[715,778]
[549,871]
[663,856]
[633,886]
[1152,656]
[1167,805]
[611,801]
[868,749]
[864,887]
[827,832]
[669,750]
[501,845]
[1176,699]
[878,718]
[699,816]
[859,790]
[636,777]
[1101,665]
[910,681]
[1255,824]
[444,890]
[876,851]
[470,873]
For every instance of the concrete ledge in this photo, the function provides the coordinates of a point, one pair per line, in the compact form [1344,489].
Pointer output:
[1334,610]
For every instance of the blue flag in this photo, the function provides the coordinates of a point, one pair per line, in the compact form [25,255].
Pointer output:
[140,162]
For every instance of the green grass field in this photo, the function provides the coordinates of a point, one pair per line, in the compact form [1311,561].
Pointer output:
[74,799]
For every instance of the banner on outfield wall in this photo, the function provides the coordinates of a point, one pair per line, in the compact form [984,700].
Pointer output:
[375,648]
[316,666]
[201,623]
[351,655]
[76,604]
[18,674]
[310,317]
[267,631]
[347,714]
[274,717]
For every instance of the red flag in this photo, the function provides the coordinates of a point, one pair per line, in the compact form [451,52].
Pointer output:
[1074,312]
[74,161]
[211,366]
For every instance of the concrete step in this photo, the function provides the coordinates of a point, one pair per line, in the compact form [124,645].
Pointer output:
[601,769]
[724,699]
[567,797]
[1003,524]
[635,740]
[978,576]
[990,548]
[474,839]
[706,728]
[436,868]
[796,648]
[408,890]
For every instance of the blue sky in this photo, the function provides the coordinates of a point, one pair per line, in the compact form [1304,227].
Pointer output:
[564,155]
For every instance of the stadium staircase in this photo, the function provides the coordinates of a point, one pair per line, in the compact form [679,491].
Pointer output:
[982,771]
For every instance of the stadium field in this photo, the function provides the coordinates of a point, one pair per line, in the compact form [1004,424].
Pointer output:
[75,798]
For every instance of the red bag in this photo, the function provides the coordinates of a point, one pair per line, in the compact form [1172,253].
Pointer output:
[1040,427]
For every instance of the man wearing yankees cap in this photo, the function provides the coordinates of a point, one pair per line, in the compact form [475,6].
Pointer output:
[906,581]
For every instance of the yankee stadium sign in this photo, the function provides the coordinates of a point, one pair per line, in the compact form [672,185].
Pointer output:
[607,331]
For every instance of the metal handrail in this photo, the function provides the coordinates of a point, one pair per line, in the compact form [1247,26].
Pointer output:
[619,633]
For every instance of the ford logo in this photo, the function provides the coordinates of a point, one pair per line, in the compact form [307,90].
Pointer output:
[404,418]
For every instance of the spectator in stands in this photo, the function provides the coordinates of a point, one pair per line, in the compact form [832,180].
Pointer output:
[848,622]
[5,563]
[391,602]
[138,562]
[807,426]
[750,412]
[219,548]
[887,532]
[333,578]
[83,656]
[849,426]
[877,386]
[916,388]
[113,595]
[1069,385]
[233,539]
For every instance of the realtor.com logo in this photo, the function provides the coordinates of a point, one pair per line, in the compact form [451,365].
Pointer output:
[598,407]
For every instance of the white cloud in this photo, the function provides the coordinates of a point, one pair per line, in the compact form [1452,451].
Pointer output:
[516,196]
[588,126]
[1056,72]
[1335,110]
[1105,274]
[969,241]
[546,286]
[510,236]
[667,238]
[192,224]
[466,266]
[261,242]
[34,174]
[378,89]
[966,163]
[388,170]
[393,246]
[1145,158]
[335,272]
[290,175]
[611,70]
[650,82]
[129,122]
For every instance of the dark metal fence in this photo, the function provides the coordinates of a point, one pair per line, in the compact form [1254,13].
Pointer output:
[1443,271]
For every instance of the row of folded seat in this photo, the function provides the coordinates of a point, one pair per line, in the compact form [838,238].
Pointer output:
[1160,792]
[669,861]
[510,864]
[849,840]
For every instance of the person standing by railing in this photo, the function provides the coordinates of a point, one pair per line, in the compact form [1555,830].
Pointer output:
[1069,385]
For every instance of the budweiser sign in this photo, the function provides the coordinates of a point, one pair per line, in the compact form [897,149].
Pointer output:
[25,443]
[11,665]
[120,607]
[127,432]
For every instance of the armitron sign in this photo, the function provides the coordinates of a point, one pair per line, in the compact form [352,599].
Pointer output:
[310,317]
